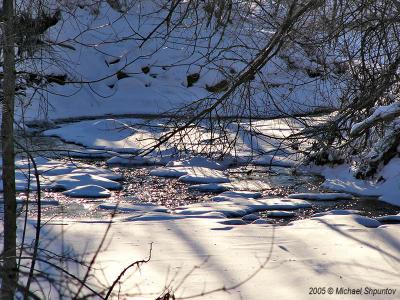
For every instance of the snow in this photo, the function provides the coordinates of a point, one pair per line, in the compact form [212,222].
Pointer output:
[127,160]
[98,172]
[175,172]
[274,160]
[192,174]
[88,191]
[285,260]
[231,194]
[337,212]
[250,217]
[233,222]
[200,239]
[260,221]
[199,161]
[55,174]
[322,196]
[47,202]
[342,179]
[245,185]
[339,219]
[87,153]
[75,180]
[381,113]
[136,207]
[118,135]
[58,174]
[107,47]
[238,206]
[280,214]
[228,209]
[204,176]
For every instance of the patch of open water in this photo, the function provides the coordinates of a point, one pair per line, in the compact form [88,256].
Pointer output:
[139,187]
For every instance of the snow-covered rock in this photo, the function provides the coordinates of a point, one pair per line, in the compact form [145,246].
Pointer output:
[250,217]
[192,174]
[233,222]
[198,161]
[280,214]
[131,161]
[322,196]
[241,194]
[74,180]
[383,112]
[134,207]
[204,177]
[337,212]
[174,172]
[342,179]
[88,191]
[239,185]
[261,221]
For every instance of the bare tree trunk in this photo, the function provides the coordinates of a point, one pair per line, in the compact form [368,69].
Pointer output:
[9,272]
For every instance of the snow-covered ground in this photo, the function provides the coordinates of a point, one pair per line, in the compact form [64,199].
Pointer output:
[124,73]
[385,185]
[224,242]
[194,256]
[131,136]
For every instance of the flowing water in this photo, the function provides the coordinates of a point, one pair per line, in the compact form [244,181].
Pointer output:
[140,187]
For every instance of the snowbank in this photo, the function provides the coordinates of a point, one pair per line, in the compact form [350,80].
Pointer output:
[387,188]
[283,262]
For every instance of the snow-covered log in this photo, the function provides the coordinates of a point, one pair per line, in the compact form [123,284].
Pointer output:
[381,113]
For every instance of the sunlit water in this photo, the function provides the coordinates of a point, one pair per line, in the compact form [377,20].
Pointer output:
[140,187]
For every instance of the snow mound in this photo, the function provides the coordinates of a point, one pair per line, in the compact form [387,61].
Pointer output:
[227,209]
[88,153]
[337,212]
[240,207]
[74,180]
[380,113]
[261,221]
[284,204]
[343,219]
[242,185]
[272,160]
[131,161]
[174,172]
[46,202]
[250,217]
[280,214]
[192,174]
[322,196]
[122,135]
[204,176]
[137,207]
[236,194]
[61,175]
[342,179]
[88,191]
[107,174]
[199,161]
[233,222]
